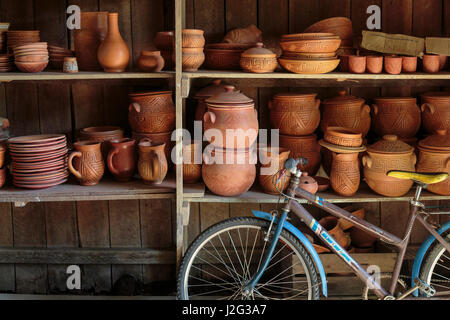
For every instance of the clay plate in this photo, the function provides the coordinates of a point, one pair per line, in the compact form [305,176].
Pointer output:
[39,138]
[41,186]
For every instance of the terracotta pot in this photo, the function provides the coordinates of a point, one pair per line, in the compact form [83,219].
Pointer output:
[121,159]
[346,111]
[357,64]
[374,64]
[295,114]
[272,161]
[150,61]
[193,58]
[251,34]
[436,111]
[343,137]
[443,61]
[113,54]
[393,64]
[306,147]
[158,138]
[101,134]
[94,26]
[343,65]
[164,40]
[88,167]
[152,164]
[258,60]
[232,120]
[192,38]
[409,64]
[308,183]
[151,112]
[229,173]
[331,225]
[361,238]
[430,63]
[215,88]
[345,174]
[192,162]
[398,116]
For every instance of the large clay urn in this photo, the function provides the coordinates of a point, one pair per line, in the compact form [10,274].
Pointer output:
[306,147]
[152,164]
[113,53]
[87,39]
[295,114]
[210,91]
[436,111]
[272,162]
[121,159]
[151,112]
[231,121]
[346,111]
[86,162]
[386,155]
[345,173]
[229,172]
[434,156]
[397,116]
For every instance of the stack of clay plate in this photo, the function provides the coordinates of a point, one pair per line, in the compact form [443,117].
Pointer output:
[6,62]
[17,37]
[57,55]
[309,52]
[38,161]
[32,57]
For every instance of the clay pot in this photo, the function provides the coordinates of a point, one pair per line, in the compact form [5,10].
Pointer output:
[295,114]
[374,64]
[192,38]
[346,111]
[357,64]
[121,159]
[409,64]
[436,111]
[308,183]
[443,61]
[192,162]
[113,54]
[393,64]
[193,58]
[151,112]
[272,161]
[345,174]
[215,88]
[306,147]
[251,34]
[88,167]
[150,61]
[397,116]
[228,172]
[101,134]
[224,56]
[430,63]
[361,238]
[158,138]
[94,26]
[258,60]
[386,155]
[227,111]
[2,177]
[152,164]
[331,225]
[343,65]
[343,137]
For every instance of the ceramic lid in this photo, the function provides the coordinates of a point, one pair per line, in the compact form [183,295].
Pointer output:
[439,141]
[258,51]
[214,89]
[390,145]
[343,98]
[230,97]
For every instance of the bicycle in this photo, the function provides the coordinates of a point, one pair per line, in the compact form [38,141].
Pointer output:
[266,257]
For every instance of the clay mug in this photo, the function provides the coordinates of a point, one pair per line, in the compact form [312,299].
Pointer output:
[374,64]
[121,159]
[357,64]
[88,167]
[152,164]
[430,63]
[409,64]
[393,64]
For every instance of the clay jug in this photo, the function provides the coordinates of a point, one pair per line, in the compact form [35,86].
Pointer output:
[113,54]
[121,159]
[88,167]
[345,174]
[272,162]
[152,165]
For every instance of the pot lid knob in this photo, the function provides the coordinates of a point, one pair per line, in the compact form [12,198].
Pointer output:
[259,45]
[229,88]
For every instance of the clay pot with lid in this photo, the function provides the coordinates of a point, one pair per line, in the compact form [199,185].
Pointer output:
[346,111]
[306,147]
[150,61]
[258,60]
[398,116]
[386,155]
[231,119]
[434,156]
[436,111]
[272,161]
[345,173]
[215,88]
[295,114]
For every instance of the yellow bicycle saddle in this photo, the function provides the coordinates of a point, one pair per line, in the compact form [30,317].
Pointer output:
[425,178]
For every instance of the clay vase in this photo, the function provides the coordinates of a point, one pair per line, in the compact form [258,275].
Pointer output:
[192,162]
[393,64]
[215,88]
[121,159]
[150,61]
[430,63]
[374,64]
[306,147]
[345,174]
[308,183]
[272,161]
[436,111]
[357,64]
[86,163]
[295,114]
[397,116]
[152,164]
[331,225]
[409,64]
[94,26]
[192,59]
[113,54]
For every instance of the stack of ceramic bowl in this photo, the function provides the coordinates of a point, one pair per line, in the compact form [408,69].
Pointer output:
[225,56]
[38,161]
[17,37]
[57,55]
[193,43]
[310,53]
[6,62]
[32,57]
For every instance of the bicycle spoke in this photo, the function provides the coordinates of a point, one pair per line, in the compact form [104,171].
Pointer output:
[235,251]
[223,262]
[226,251]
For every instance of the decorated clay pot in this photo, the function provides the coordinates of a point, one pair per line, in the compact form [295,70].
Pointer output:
[192,162]
[409,64]
[89,166]
[436,111]
[345,174]
[308,183]
[192,59]
[192,38]
[295,114]
[121,159]
[393,64]
[374,64]
[343,137]
[258,60]
[152,164]
[332,226]
[397,116]
[430,63]
[215,88]
[158,138]
[272,161]
[357,64]
[150,61]
[306,147]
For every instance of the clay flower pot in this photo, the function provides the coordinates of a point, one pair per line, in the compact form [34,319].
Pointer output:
[121,159]
[345,174]
[331,225]
[272,161]
[357,64]
[343,137]
[295,114]
[150,61]
[436,111]
[88,167]
[258,60]
[152,164]
[215,88]
[374,64]
[192,38]
[430,63]
[308,183]
[393,64]
[343,65]
[192,162]
[409,64]
[193,58]
[306,147]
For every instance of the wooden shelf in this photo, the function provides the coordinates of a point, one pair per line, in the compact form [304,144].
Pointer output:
[82,75]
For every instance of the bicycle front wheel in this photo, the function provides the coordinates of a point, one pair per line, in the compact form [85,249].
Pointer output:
[224,258]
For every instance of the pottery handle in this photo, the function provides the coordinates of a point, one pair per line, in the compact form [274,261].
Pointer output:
[367,161]
[365,109]
[429,106]
[155,164]
[375,108]
[414,159]
[317,103]
[76,173]
[136,106]
[210,116]
[109,161]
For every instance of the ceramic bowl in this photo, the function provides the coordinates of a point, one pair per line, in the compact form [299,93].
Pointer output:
[309,66]
[31,67]
[311,46]
[343,137]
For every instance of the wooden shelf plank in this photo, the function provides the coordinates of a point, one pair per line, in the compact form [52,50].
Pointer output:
[82,75]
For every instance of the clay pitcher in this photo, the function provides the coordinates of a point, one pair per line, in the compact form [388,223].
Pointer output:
[152,164]
[113,54]
[272,162]
[345,174]
[121,159]
[88,166]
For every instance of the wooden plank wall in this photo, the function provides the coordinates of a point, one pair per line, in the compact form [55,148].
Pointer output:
[65,107]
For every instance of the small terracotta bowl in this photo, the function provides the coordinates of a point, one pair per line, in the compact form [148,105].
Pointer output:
[344,137]
[409,64]
[393,64]
[430,63]
[357,64]
[374,64]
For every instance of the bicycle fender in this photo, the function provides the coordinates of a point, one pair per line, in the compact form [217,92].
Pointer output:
[304,240]
[420,255]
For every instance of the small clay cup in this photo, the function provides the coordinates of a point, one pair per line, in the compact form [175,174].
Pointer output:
[374,64]
[343,66]
[393,64]
[409,64]
[357,64]
[430,63]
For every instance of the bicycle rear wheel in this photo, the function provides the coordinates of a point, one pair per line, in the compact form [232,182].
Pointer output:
[224,258]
